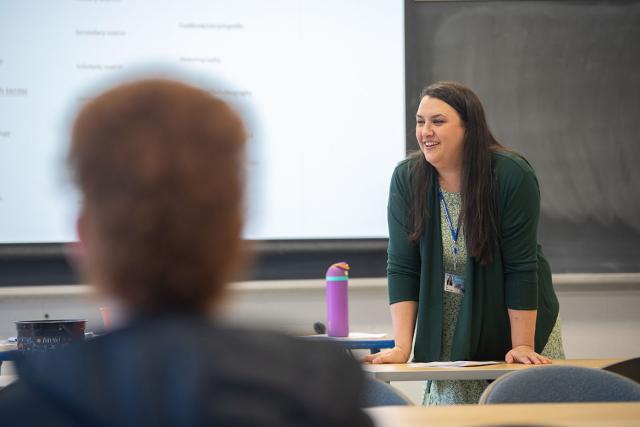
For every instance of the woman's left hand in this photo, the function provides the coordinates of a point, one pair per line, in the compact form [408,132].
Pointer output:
[525,354]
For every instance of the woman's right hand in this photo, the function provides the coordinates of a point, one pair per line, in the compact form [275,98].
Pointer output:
[395,355]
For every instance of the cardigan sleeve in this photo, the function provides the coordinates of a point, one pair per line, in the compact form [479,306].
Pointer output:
[519,229]
[403,257]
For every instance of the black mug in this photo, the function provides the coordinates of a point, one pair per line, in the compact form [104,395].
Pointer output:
[45,335]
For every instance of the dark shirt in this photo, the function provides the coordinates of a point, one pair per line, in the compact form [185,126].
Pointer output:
[186,371]
[519,277]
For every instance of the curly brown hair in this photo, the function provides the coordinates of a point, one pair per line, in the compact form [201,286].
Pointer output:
[160,166]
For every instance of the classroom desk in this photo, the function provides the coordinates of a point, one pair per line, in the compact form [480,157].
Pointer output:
[374,345]
[405,372]
[626,414]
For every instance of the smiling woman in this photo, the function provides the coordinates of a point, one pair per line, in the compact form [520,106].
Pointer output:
[463,259]
[440,132]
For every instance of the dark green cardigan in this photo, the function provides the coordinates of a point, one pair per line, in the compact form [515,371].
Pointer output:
[519,278]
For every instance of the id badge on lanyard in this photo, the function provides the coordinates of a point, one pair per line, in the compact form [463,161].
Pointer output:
[454,283]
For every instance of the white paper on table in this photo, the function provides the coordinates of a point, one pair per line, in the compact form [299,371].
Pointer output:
[454,364]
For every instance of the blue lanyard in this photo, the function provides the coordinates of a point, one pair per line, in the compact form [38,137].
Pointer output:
[454,232]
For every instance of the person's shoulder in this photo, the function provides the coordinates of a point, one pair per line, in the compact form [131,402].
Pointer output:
[295,357]
[293,353]
[319,378]
[512,169]
[404,165]
[22,404]
[515,177]
[401,178]
[402,171]
[511,163]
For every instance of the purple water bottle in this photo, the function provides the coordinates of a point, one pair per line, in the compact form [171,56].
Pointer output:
[338,300]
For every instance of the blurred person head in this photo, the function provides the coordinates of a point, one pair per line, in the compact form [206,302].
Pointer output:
[159,165]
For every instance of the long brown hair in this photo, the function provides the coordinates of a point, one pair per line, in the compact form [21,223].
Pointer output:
[479,216]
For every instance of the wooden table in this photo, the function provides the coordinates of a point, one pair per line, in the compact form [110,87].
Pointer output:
[625,414]
[405,372]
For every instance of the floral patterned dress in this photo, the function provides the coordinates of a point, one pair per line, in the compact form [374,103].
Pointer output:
[455,392]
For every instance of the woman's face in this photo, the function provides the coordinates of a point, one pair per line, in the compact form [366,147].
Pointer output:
[440,133]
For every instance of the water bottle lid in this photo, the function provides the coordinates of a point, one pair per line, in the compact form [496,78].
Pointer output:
[339,269]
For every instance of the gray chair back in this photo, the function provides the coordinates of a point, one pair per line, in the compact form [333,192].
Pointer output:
[549,384]
[379,393]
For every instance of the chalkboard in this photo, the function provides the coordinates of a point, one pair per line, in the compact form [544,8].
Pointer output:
[560,82]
